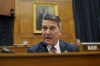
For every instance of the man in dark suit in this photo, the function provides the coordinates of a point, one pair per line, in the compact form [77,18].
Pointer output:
[41,17]
[51,31]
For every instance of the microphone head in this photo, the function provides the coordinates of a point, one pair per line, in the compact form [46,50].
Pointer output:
[5,50]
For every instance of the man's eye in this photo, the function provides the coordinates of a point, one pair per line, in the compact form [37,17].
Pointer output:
[44,28]
[52,28]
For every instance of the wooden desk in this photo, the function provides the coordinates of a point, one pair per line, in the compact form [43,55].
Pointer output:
[64,59]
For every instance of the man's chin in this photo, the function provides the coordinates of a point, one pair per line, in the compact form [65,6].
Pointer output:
[47,41]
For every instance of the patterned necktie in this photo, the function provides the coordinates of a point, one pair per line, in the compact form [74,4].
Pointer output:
[53,49]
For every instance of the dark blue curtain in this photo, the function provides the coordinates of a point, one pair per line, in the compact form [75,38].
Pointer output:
[87,20]
[6,30]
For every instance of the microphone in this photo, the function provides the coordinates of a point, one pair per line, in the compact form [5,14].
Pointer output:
[6,50]
[44,44]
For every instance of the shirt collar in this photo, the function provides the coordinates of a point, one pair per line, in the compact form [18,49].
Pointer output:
[57,46]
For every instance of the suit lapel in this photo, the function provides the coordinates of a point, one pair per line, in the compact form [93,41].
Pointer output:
[62,46]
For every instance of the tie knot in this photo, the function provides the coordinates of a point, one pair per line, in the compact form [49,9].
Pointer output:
[53,49]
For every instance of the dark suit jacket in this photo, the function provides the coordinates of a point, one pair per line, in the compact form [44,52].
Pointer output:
[42,47]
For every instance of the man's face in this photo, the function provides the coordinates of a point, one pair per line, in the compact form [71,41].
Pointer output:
[50,32]
[45,11]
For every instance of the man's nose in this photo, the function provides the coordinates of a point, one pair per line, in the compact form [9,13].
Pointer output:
[48,31]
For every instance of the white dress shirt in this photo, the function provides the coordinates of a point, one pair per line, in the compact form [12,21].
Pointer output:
[57,46]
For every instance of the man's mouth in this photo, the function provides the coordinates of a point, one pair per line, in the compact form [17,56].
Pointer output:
[48,37]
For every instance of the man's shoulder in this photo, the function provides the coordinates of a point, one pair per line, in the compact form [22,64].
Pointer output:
[66,43]
[68,46]
[34,48]
[63,42]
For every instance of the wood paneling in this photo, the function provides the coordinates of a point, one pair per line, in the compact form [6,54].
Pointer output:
[23,24]
[24,21]
[5,6]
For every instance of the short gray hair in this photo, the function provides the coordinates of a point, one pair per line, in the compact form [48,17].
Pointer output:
[53,18]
